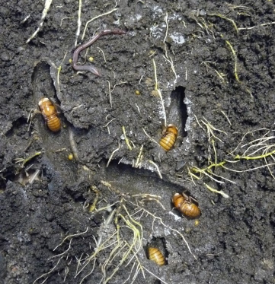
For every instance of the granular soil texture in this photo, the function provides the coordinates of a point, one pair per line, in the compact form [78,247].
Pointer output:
[85,204]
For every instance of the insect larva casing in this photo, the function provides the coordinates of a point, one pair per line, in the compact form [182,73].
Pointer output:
[178,200]
[169,137]
[185,205]
[49,113]
[156,255]
[53,123]
[190,210]
[168,141]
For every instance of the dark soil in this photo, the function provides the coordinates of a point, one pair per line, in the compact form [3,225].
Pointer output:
[79,221]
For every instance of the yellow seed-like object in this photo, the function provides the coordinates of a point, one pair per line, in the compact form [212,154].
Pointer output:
[70,157]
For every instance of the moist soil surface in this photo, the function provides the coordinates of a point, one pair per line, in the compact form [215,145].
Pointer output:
[84,204]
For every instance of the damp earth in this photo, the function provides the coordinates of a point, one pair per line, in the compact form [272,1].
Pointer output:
[85,204]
